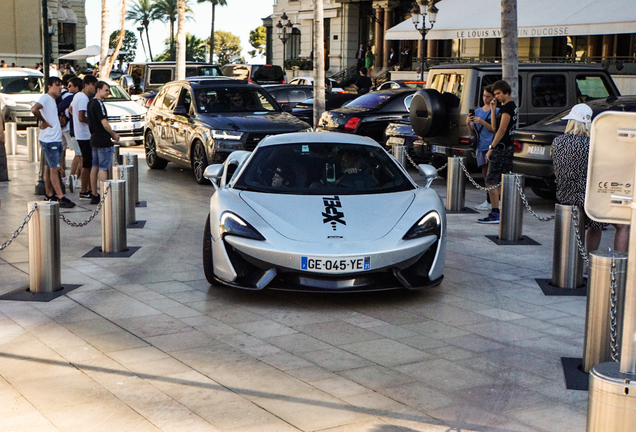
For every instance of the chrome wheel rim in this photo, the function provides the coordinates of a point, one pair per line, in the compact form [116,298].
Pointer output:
[150,149]
[198,161]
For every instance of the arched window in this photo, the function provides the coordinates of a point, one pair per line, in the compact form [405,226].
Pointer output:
[293,51]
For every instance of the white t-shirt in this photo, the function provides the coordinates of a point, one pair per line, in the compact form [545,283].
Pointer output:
[80,103]
[49,112]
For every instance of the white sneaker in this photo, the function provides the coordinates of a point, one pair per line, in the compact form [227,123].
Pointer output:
[71,183]
[484,206]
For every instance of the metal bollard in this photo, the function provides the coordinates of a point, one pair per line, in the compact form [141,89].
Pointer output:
[32,144]
[114,216]
[116,159]
[567,264]
[131,159]
[511,209]
[455,185]
[596,345]
[399,153]
[125,173]
[11,138]
[612,399]
[44,248]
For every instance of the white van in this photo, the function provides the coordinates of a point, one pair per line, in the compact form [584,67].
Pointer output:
[125,116]
[20,89]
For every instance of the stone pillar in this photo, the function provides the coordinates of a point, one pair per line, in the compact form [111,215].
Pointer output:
[432,48]
[608,46]
[379,38]
[388,22]
[594,46]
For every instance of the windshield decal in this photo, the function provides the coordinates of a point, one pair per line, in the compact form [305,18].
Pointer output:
[331,213]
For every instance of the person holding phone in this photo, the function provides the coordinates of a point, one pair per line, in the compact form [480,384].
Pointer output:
[479,123]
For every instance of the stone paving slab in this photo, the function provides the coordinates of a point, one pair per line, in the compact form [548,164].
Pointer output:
[146,344]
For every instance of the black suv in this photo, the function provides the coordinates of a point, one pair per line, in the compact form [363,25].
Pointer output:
[261,74]
[202,120]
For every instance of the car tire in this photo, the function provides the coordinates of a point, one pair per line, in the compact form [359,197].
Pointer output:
[427,113]
[150,145]
[208,260]
[199,161]
[548,194]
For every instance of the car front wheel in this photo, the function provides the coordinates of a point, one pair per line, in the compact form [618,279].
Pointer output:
[199,162]
[153,161]
[208,261]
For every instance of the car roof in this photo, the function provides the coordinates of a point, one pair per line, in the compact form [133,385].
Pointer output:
[4,72]
[171,63]
[208,81]
[522,66]
[317,137]
[291,86]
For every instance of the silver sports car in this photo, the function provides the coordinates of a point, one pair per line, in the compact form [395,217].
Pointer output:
[322,212]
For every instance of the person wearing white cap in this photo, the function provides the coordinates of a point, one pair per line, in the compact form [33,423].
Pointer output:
[570,153]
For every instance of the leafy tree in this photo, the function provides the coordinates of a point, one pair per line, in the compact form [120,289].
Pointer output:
[196,50]
[129,45]
[215,3]
[143,12]
[258,41]
[167,10]
[229,48]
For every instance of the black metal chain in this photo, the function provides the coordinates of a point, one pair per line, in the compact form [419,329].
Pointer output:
[92,216]
[17,232]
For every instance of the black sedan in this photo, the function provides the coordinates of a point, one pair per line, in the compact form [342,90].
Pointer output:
[534,160]
[396,84]
[369,114]
[400,133]
[305,109]
[290,94]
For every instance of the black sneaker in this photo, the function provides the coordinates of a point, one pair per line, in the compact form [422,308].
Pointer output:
[51,198]
[66,203]
[95,199]
[492,218]
[85,195]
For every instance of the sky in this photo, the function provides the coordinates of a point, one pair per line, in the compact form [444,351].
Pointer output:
[238,18]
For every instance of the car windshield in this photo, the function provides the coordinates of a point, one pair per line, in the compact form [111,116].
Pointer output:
[322,168]
[202,71]
[117,94]
[21,85]
[233,99]
[370,100]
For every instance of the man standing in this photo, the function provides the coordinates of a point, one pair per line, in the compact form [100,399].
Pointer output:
[74,86]
[101,134]
[79,107]
[45,110]
[360,57]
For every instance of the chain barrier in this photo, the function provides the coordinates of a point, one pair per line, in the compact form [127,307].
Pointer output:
[473,180]
[524,199]
[92,216]
[577,234]
[408,156]
[613,307]
[20,228]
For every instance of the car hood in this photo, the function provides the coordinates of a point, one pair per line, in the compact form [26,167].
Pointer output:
[124,108]
[29,98]
[255,122]
[315,218]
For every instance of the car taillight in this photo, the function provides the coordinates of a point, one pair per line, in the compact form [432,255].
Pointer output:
[352,124]
[284,81]
[150,102]
[464,141]
[250,79]
[517,146]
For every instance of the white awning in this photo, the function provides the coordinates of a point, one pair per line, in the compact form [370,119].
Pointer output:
[71,17]
[61,14]
[535,18]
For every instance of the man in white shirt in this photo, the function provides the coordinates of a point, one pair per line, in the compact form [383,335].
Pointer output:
[83,134]
[45,110]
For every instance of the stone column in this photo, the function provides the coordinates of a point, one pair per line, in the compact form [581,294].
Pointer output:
[379,38]
[432,48]
[608,46]
[594,46]
[388,22]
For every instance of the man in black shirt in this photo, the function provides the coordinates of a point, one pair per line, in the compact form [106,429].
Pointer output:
[360,57]
[101,134]
[363,83]
[499,155]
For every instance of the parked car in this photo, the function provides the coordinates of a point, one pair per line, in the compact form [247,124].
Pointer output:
[369,114]
[396,84]
[305,109]
[335,87]
[20,88]
[289,94]
[261,74]
[148,77]
[288,216]
[125,116]
[400,133]
[198,120]
[439,112]
[534,158]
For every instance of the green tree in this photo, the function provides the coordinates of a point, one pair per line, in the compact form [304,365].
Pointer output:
[196,50]
[258,41]
[129,45]
[167,11]
[143,12]
[215,3]
[229,48]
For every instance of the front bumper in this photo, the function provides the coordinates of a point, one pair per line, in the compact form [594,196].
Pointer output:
[20,114]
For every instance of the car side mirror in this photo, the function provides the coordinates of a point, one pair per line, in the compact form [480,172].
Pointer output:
[428,172]
[286,107]
[180,110]
[128,83]
[214,173]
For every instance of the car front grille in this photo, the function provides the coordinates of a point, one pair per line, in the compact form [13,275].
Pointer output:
[131,133]
[124,119]
[253,139]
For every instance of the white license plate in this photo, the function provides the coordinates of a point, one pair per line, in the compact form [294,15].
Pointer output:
[536,150]
[122,126]
[395,141]
[438,149]
[330,265]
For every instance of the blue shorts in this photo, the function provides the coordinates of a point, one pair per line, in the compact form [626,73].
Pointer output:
[102,158]
[481,157]
[52,153]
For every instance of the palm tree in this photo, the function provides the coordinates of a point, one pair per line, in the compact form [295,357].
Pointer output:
[143,12]
[167,11]
[509,46]
[103,50]
[181,40]
[215,3]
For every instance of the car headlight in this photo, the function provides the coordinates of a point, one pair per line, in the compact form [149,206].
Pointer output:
[231,224]
[142,117]
[226,135]
[9,102]
[430,224]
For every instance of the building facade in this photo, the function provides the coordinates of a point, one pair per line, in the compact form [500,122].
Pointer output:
[21,37]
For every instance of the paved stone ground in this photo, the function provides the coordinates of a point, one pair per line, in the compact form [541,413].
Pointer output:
[145,344]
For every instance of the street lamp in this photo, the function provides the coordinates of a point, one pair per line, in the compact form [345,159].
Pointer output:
[418,15]
[284,29]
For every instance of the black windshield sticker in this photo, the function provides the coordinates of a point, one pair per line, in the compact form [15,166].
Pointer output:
[332,211]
